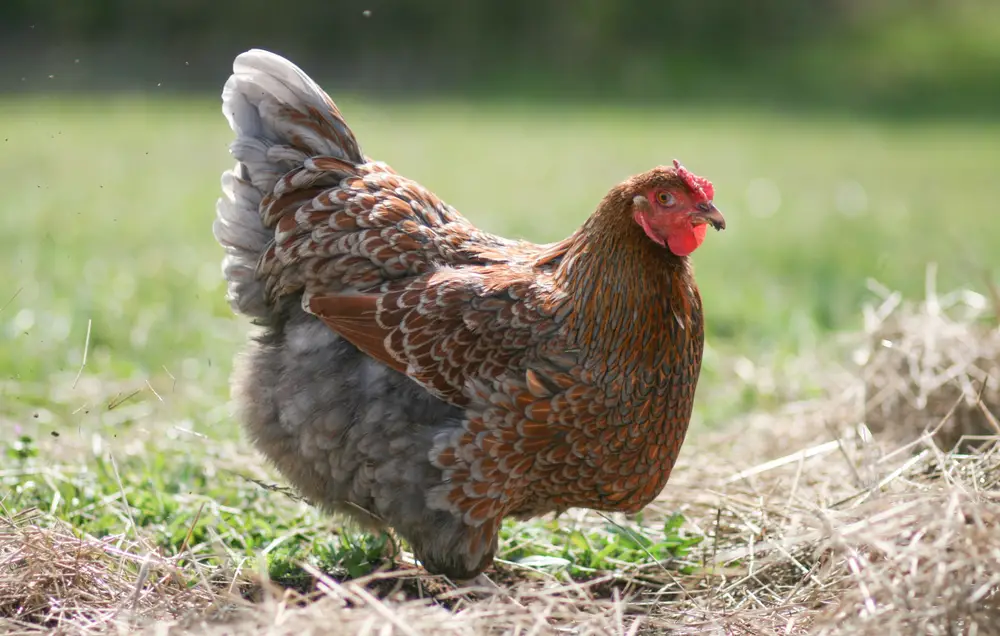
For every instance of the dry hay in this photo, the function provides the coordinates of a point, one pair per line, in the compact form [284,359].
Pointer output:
[929,362]
[843,539]
[846,515]
[51,579]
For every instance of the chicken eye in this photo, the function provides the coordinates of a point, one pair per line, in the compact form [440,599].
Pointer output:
[665,198]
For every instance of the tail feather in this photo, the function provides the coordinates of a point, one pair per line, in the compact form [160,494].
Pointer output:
[281,117]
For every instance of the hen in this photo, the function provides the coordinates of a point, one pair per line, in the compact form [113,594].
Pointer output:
[418,373]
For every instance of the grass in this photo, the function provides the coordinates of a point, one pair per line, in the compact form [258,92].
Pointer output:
[116,343]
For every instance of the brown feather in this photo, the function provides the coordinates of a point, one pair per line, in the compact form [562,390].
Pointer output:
[352,316]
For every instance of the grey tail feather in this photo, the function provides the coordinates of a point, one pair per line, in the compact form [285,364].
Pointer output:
[279,116]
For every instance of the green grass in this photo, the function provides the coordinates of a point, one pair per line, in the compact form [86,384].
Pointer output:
[105,220]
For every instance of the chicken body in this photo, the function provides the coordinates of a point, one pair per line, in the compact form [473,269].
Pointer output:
[418,373]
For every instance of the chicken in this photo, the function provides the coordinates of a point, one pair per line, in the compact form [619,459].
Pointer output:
[417,373]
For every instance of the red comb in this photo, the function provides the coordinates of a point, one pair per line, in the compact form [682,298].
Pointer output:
[700,186]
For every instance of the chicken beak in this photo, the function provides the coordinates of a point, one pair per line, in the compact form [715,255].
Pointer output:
[707,213]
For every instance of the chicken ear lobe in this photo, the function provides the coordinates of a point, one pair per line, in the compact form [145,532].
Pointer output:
[640,217]
[352,316]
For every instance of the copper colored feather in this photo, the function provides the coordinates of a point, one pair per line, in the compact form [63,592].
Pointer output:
[552,376]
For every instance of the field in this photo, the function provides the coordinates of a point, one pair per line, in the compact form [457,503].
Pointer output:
[128,494]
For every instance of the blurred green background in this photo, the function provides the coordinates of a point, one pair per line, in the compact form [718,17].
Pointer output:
[847,140]
[893,56]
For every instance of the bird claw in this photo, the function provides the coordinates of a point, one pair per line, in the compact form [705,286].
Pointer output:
[480,583]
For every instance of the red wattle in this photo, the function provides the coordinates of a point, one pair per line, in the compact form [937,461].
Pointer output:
[684,241]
